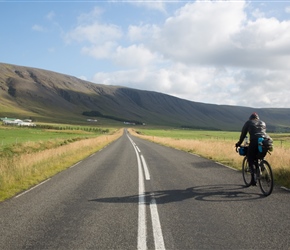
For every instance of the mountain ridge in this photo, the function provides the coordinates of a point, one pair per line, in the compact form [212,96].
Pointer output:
[50,96]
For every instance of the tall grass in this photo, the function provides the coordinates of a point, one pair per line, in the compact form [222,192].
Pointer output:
[20,171]
[223,151]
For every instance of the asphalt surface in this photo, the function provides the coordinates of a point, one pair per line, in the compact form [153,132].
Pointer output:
[135,194]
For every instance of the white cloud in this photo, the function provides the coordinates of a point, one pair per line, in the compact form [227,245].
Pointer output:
[100,51]
[90,17]
[264,43]
[208,51]
[95,33]
[134,56]
[199,32]
[152,5]
[50,15]
[83,78]
[143,32]
[38,28]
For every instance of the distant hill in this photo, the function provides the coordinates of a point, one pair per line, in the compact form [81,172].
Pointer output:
[49,96]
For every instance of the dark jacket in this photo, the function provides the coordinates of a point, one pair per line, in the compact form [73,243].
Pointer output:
[256,129]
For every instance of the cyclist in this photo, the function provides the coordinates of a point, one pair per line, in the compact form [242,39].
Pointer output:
[256,128]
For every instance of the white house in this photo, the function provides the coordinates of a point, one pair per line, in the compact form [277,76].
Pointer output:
[17,122]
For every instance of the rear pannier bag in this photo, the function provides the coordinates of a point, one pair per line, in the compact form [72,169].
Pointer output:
[264,145]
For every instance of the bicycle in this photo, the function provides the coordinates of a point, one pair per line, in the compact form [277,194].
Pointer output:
[262,172]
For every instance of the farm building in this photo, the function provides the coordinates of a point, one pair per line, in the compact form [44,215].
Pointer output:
[17,122]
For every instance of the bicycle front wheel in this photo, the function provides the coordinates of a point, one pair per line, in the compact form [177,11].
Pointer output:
[266,181]
[246,172]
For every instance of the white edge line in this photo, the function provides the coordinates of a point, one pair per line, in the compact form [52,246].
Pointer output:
[195,155]
[75,164]
[226,166]
[157,231]
[284,188]
[31,188]
[146,171]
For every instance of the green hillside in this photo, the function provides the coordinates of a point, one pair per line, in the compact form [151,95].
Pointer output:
[49,96]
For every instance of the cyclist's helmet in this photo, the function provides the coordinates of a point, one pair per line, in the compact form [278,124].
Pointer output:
[254,116]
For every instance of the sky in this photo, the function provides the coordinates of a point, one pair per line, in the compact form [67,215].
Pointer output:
[219,52]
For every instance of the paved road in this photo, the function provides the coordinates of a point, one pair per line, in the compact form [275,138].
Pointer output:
[136,194]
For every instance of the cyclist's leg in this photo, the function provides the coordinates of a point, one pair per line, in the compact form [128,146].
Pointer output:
[252,155]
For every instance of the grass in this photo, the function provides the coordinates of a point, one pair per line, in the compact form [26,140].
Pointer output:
[219,146]
[14,135]
[29,155]
[28,162]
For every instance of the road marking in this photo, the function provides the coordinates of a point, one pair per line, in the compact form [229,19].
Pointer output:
[287,189]
[226,166]
[142,229]
[17,196]
[146,171]
[156,226]
[157,231]
[75,164]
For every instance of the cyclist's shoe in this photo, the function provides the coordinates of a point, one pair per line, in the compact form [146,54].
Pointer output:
[253,182]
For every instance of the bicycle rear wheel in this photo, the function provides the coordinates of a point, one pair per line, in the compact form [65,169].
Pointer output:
[266,181]
[246,172]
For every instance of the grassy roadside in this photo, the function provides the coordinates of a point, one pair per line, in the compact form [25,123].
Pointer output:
[34,162]
[222,150]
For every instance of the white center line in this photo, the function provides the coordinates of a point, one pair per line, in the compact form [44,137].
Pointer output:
[142,229]
[156,226]
[146,171]
[157,231]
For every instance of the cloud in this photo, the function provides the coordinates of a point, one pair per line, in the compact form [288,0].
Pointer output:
[50,16]
[202,52]
[38,28]
[133,56]
[199,33]
[263,43]
[151,5]
[97,39]
[100,51]
[141,33]
[83,78]
[90,17]
[95,33]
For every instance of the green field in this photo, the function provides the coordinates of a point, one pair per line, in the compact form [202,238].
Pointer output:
[31,155]
[280,139]
[51,132]
[190,134]
[14,135]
